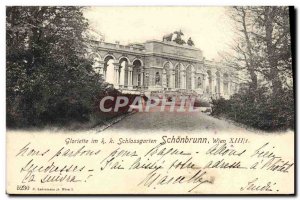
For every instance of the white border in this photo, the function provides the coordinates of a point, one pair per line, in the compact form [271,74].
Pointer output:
[5,3]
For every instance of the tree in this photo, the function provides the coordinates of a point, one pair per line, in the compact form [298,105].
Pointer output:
[263,50]
[273,37]
[263,45]
[49,78]
[244,48]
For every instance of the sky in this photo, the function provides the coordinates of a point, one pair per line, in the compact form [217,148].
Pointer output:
[209,27]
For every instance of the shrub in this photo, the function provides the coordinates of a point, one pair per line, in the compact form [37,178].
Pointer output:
[201,103]
[264,112]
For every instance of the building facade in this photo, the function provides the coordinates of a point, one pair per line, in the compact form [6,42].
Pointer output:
[162,67]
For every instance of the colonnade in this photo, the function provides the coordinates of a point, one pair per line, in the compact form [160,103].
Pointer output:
[131,76]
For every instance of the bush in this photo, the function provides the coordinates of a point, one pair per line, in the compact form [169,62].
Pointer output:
[201,103]
[264,112]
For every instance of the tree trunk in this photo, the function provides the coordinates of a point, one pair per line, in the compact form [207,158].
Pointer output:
[271,54]
[250,66]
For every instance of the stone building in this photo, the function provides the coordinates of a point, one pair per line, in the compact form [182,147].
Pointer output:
[162,67]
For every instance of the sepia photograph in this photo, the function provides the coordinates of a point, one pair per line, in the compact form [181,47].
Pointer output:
[190,100]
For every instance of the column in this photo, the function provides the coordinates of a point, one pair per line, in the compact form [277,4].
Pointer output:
[146,80]
[130,76]
[116,75]
[142,76]
[122,75]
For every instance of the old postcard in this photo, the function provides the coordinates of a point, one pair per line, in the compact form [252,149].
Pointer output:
[150,100]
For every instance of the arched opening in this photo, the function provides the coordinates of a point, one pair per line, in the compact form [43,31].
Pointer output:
[157,78]
[177,76]
[123,72]
[136,73]
[200,81]
[109,75]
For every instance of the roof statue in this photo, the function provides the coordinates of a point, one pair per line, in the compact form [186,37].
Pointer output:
[190,42]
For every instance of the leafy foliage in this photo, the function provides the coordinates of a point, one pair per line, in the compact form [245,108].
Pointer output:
[266,113]
[263,51]
[49,78]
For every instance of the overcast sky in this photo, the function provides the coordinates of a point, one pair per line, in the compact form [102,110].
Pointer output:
[209,27]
